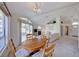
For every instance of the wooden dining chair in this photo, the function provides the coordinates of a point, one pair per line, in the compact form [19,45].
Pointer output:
[49,50]
[29,36]
[19,53]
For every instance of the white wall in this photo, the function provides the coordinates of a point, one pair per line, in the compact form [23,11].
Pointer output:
[15,30]
[52,28]
[67,21]
[78,34]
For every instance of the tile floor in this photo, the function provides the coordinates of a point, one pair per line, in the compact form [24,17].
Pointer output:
[67,47]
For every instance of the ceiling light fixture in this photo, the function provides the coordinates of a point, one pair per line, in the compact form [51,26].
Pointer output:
[36,8]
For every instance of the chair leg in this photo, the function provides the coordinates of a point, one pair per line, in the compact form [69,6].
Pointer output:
[51,55]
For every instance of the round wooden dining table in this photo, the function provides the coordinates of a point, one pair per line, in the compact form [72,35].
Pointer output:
[34,44]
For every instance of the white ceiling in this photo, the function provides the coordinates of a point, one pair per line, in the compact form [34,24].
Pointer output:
[25,9]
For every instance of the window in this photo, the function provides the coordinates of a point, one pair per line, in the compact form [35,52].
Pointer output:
[25,29]
[3,30]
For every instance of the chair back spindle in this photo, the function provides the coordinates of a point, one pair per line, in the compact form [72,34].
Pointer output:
[12,47]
